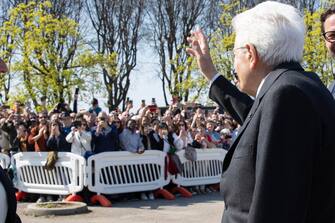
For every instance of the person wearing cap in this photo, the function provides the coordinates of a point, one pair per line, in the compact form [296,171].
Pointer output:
[281,166]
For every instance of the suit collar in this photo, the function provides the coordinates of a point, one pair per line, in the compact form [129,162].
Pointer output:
[271,78]
[277,72]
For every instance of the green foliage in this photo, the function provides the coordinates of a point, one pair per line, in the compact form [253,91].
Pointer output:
[51,49]
[315,58]
[221,44]
[222,41]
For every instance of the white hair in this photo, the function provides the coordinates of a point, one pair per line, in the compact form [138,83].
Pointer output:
[276,30]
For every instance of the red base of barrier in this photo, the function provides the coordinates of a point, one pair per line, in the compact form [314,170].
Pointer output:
[183,191]
[20,195]
[74,197]
[215,187]
[164,193]
[102,200]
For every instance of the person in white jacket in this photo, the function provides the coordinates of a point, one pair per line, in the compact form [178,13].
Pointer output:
[80,138]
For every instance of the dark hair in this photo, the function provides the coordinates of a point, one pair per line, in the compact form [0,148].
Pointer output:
[77,124]
[94,101]
[325,15]
[163,125]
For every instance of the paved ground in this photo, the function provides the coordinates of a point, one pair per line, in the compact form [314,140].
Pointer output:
[198,209]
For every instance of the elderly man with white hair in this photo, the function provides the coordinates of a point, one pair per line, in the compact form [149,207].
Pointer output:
[281,166]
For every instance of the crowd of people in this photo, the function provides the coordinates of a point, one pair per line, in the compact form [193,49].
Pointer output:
[92,131]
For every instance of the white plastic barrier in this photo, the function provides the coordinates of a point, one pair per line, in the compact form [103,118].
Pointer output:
[207,169]
[124,172]
[66,178]
[4,161]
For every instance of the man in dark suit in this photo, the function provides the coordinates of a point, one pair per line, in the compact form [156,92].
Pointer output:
[328,32]
[281,166]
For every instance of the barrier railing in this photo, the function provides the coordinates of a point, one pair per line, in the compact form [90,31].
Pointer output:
[207,169]
[113,173]
[66,178]
[125,172]
[4,161]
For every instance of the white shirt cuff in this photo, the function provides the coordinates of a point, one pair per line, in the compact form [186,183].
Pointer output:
[213,79]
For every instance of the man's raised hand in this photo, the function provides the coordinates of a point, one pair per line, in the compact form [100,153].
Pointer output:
[200,50]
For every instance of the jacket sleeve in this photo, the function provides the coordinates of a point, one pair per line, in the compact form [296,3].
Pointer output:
[284,160]
[32,134]
[69,138]
[52,143]
[228,97]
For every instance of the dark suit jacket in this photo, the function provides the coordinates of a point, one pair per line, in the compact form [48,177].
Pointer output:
[11,200]
[281,167]
[156,145]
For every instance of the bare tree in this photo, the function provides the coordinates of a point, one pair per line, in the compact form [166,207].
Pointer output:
[172,22]
[117,25]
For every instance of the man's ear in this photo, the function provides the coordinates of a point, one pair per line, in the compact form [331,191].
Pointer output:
[252,55]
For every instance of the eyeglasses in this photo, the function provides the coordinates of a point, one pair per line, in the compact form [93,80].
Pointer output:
[329,36]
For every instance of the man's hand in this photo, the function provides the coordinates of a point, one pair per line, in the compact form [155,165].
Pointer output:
[200,50]
[140,151]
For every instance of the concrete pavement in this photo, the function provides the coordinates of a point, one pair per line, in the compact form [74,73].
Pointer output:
[206,208]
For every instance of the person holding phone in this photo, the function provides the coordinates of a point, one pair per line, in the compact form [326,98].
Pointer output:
[104,137]
[130,139]
[80,138]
